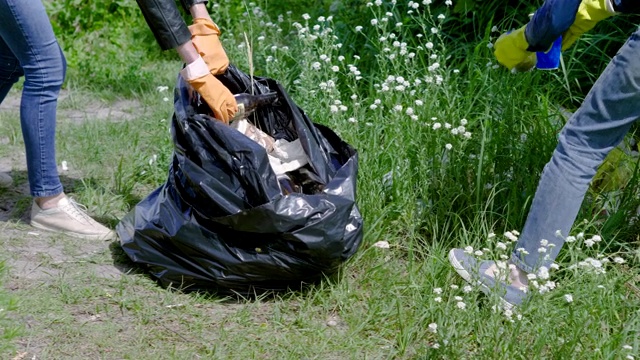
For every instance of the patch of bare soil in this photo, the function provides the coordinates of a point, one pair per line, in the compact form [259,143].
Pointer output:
[34,255]
[70,110]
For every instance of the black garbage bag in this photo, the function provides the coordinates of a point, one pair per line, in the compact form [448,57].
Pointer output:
[221,221]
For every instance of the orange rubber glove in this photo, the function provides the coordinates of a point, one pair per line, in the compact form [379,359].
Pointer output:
[589,14]
[205,36]
[220,100]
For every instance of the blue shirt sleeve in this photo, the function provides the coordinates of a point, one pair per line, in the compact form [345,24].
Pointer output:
[550,21]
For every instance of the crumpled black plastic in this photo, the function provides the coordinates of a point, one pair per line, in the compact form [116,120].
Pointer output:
[221,223]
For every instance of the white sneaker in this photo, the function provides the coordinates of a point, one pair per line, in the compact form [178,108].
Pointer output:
[69,218]
[5,180]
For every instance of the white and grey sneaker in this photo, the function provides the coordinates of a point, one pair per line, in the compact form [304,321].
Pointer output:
[69,218]
[5,180]
[474,272]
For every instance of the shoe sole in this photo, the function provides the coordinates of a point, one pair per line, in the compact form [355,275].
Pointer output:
[105,237]
[467,277]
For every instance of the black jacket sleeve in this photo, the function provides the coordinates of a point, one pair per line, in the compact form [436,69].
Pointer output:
[166,22]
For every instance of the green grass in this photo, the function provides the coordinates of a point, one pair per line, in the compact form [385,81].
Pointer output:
[414,192]
[9,330]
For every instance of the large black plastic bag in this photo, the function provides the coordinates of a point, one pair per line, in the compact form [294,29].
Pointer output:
[221,223]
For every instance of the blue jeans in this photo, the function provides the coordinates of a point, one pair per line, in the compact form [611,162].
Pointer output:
[601,122]
[28,47]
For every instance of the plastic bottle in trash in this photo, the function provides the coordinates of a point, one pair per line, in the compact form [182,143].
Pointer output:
[287,186]
[550,60]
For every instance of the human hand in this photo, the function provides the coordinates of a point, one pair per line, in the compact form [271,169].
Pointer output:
[590,12]
[205,36]
[511,51]
[217,96]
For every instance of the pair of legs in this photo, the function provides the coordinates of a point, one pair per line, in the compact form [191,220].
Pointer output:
[28,48]
[599,125]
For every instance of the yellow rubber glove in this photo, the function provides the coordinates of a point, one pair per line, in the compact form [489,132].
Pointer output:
[220,100]
[511,51]
[205,36]
[589,14]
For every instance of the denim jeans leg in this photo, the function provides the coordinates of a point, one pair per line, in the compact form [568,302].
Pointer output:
[26,31]
[599,125]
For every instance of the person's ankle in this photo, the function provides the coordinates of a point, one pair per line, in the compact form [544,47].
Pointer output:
[49,202]
[517,276]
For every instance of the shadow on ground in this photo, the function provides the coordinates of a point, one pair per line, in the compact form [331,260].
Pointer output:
[15,201]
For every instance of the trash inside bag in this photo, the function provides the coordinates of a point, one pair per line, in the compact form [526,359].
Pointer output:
[240,214]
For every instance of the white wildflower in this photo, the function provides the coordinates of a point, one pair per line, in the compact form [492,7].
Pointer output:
[531,276]
[618,260]
[433,327]
[382,244]
[511,236]
[543,273]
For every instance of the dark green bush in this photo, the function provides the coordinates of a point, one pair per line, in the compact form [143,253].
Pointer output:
[108,44]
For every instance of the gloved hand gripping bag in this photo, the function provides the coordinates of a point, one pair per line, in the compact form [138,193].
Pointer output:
[221,223]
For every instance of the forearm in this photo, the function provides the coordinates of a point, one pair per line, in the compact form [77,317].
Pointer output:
[199,11]
[550,21]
